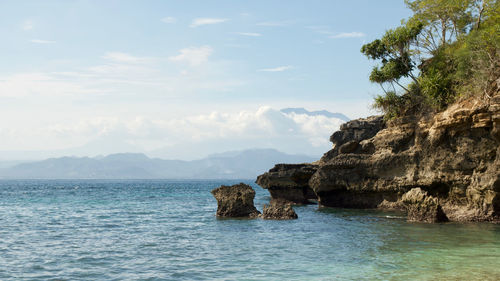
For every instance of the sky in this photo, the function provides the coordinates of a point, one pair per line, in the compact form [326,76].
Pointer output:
[182,79]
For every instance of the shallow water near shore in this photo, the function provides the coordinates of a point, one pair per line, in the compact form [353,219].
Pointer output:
[167,230]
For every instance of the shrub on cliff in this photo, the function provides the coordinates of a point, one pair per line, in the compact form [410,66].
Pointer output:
[456,46]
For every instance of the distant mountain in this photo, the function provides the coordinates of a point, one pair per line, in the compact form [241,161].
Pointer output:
[229,165]
[325,113]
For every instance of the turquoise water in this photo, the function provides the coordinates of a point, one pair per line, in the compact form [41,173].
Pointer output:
[166,230]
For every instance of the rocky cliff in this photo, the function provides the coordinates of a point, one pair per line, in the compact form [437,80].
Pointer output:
[289,182]
[452,156]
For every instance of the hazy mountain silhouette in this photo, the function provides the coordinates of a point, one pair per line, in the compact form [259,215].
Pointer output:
[300,110]
[234,164]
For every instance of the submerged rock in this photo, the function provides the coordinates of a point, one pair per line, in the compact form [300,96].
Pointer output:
[278,210]
[235,201]
[423,208]
[289,182]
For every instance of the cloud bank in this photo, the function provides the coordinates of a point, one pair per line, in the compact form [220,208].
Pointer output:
[190,137]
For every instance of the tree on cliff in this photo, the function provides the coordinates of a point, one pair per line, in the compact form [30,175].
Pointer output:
[446,48]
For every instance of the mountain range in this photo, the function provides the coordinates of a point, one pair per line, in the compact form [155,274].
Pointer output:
[301,110]
[229,165]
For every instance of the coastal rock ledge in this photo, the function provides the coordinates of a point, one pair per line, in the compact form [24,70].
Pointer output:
[235,201]
[453,157]
[289,182]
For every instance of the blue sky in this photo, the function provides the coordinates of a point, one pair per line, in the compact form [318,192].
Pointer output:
[74,72]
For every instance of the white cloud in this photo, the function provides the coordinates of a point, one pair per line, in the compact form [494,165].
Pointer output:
[348,35]
[125,58]
[190,136]
[39,41]
[251,34]
[277,69]
[27,25]
[204,21]
[169,20]
[193,55]
[126,77]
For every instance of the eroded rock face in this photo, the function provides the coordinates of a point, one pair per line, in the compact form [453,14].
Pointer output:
[350,136]
[235,201]
[289,182]
[423,208]
[454,156]
[278,210]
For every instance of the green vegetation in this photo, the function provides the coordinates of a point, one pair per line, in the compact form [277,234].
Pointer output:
[447,49]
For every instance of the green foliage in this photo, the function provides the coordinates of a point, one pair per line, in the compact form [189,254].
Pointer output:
[444,20]
[477,55]
[436,87]
[390,103]
[437,78]
[394,105]
[456,45]
[392,70]
[394,51]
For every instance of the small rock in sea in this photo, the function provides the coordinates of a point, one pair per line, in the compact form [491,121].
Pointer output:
[278,210]
[235,201]
[422,207]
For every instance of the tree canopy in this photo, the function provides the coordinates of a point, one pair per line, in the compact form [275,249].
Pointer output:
[446,49]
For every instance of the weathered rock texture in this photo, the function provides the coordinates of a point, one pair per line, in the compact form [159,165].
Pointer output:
[289,182]
[422,207]
[235,201]
[453,155]
[278,210]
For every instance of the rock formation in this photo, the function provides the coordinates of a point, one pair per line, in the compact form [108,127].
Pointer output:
[235,201]
[422,207]
[278,210]
[453,156]
[289,182]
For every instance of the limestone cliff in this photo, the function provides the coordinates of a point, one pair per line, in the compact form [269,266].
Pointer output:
[453,156]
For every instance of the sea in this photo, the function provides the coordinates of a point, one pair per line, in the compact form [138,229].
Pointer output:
[167,230]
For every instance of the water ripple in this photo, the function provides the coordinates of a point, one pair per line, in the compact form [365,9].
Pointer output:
[166,230]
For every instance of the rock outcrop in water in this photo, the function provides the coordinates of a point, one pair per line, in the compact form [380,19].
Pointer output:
[289,182]
[278,210]
[452,156]
[422,207]
[235,201]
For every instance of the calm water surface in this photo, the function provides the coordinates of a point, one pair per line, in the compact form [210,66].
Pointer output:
[166,230]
